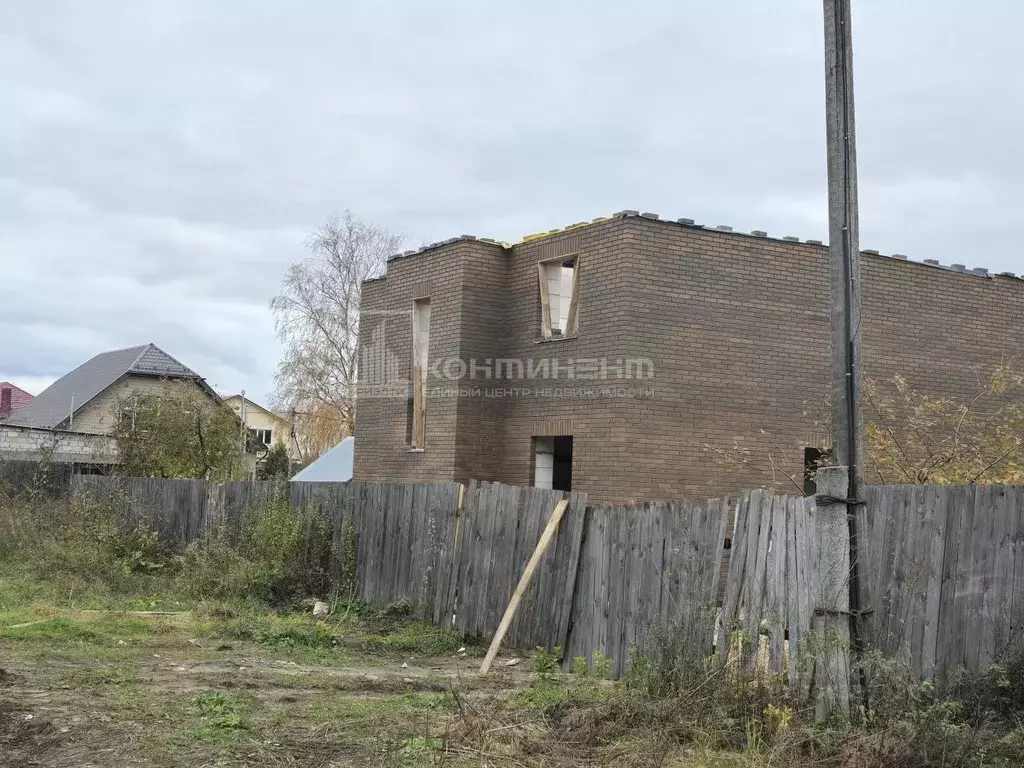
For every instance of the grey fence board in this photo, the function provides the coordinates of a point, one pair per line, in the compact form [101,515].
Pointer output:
[640,567]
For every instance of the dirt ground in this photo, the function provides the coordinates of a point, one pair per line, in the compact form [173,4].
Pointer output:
[109,690]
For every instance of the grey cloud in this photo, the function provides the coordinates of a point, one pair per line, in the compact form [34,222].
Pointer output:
[160,163]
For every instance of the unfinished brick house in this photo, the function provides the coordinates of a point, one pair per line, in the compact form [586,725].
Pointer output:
[621,357]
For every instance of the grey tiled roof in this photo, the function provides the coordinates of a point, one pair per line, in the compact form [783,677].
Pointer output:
[51,407]
[155,362]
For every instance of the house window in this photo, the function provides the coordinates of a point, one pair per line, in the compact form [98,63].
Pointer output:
[552,463]
[559,297]
[264,436]
[420,349]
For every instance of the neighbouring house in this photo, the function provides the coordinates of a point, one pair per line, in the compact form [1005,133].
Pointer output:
[333,466]
[12,399]
[73,419]
[265,427]
[625,356]
[88,398]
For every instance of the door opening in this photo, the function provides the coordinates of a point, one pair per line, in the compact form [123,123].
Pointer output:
[552,462]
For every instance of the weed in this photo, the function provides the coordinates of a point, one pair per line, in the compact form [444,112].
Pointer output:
[545,663]
[420,746]
[601,665]
[579,666]
[399,608]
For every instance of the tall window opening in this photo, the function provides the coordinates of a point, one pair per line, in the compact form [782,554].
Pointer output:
[559,297]
[420,347]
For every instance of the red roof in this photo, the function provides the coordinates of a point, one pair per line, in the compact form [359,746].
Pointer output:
[19,397]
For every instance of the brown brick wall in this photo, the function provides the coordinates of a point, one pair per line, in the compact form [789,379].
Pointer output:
[737,330]
[485,299]
[382,422]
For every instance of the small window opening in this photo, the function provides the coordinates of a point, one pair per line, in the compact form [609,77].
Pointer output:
[559,297]
[552,463]
[813,459]
[420,346]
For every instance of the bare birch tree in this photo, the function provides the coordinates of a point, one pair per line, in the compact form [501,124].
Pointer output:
[316,316]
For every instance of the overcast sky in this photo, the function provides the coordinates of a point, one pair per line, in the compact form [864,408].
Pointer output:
[161,162]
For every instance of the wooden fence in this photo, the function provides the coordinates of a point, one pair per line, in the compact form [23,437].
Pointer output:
[945,573]
[942,568]
[412,542]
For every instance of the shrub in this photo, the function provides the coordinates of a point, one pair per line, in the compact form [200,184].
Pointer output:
[82,541]
[281,555]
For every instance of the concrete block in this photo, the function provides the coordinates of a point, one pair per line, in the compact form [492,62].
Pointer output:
[724,228]
[933,262]
[791,239]
[685,222]
[758,233]
[648,215]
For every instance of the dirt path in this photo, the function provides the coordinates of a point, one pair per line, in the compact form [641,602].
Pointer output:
[110,703]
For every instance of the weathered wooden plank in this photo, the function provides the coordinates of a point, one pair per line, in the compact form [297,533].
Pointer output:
[723,508]
[568,552]
[777,554]
[579,617]
[737,573]
[975,608]
[756,598]
[528,530]
[1002,579]
[791,594]
[965,563]
[893,628]
[1017,609]
[918,588]
[936,505]
[982,649]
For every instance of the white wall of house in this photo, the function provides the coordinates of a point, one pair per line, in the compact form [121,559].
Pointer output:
[99,416]
[257,417]
[27,444]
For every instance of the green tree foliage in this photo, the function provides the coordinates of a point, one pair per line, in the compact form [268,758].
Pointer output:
[180,432]
[275,465]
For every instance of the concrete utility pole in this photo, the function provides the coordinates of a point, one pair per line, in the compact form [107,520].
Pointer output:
[844,240]
[836,524]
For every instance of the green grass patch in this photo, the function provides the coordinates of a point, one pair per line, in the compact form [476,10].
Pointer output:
[222,716]
[413,639]
[367,715]
[89,677]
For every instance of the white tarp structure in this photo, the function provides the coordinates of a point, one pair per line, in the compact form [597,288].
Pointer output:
[334,466]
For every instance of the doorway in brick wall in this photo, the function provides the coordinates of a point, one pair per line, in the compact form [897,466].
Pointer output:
[552,462]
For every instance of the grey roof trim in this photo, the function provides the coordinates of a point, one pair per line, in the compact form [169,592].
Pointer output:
[977,272]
